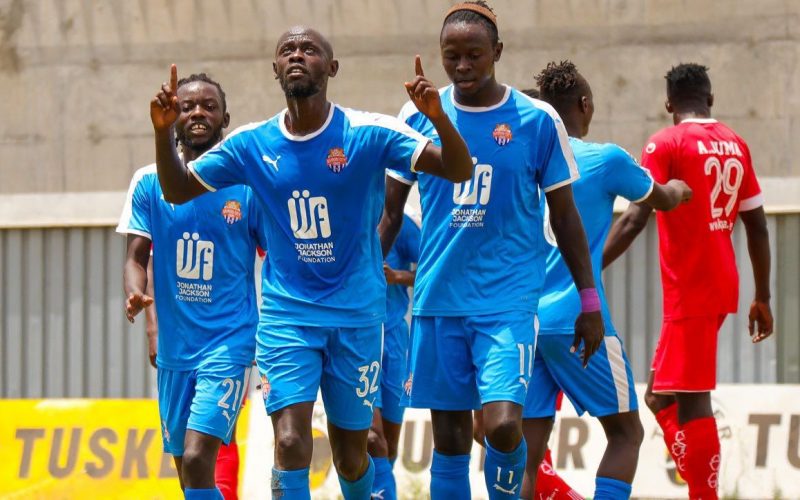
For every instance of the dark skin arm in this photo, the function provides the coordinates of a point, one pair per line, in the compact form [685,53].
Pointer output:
[177,182]
[399,276]
[134,276]
[568,229]
[151,320]
[392,218]
[625,230]
[452,161]
[755,226]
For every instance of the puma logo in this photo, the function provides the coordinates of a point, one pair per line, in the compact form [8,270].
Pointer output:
[272,162]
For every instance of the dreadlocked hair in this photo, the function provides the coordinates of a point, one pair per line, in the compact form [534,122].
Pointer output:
[558,81]
[688,82]
[472,17]
[202,77]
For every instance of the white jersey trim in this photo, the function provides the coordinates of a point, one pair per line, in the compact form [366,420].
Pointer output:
[649,190]
[752,203]
[479,109]
[127,208]
[200,179]
[699,120]
[563,140]
[307,137]
[620,375]
[137,233]
[394,175]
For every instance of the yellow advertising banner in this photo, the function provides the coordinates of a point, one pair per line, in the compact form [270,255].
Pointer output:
[80,448]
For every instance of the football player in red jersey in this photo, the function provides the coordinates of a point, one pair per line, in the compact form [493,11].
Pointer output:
[698,268]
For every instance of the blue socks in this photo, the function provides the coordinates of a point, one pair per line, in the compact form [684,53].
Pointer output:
[384,487]
[360,489]
[202,494]
[504,471]
[606,488]
[449,477]
[290,484]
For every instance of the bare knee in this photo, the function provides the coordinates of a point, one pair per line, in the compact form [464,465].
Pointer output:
[293,449]
[452,431]
[624,429]
[350,465]
[376,444]
[504,434]
[198,462]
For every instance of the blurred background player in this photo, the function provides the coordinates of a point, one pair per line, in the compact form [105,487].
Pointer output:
[605,387]
[481,261]
[387,420]
[549,485]
[324,293]
[698,268]
[203,254]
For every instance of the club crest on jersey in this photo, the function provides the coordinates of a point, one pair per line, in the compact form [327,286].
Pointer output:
[502,134]
[232,211]
[337,161]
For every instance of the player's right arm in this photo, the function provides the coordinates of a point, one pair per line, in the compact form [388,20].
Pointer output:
[151,320]
[177,182]
[392,218]
[755,226]
[626,228]
[134,275]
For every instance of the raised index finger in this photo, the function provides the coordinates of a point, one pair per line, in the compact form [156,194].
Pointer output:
[173,78]
[418,66]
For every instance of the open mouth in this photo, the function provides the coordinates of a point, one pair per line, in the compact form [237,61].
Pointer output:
[198,128]
[296,70]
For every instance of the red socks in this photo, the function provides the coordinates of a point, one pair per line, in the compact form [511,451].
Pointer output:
[549,484]
[675,440]
[694,447]
[226,474]
[702,458]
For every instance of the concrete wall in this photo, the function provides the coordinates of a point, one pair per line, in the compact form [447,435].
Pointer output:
[76,75]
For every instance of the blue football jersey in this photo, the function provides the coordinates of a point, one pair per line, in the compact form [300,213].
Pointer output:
[404,252]
[324,195]
[203,270]
[482,245]
[607,171]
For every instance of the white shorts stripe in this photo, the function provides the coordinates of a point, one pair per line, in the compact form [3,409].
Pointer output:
[618,372]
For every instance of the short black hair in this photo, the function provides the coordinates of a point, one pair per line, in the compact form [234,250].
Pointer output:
[470,16]
[560,83]
[688,83]
[202,77]
[531,93]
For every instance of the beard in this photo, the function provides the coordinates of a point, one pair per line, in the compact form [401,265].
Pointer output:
[299,90]
[200,147]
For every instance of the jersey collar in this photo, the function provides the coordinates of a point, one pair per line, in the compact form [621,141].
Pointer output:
[699,120]
[308,137]
[479,109]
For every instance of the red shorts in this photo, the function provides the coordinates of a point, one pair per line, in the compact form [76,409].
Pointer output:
[686,355]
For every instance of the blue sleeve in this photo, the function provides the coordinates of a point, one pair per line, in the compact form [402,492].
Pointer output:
[258,229]
[623,176]
[411,239]
[223,165]
[553,155]
[135,218]
[400,144]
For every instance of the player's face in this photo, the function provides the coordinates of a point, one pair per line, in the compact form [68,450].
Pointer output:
[201,117]
[303,64]
[468,56]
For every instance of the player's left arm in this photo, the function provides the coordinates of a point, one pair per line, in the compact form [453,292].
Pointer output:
[571,238]
[399,276]
[624,230]
[134,276]
[392,217]
[151,319]
[452,161]
[755,226]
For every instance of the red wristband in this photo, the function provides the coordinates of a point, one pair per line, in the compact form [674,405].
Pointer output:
[590,300]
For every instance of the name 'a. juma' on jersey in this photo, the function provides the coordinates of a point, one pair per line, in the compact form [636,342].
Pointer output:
[203,264]
[482,245]
[607,171]
[323,195]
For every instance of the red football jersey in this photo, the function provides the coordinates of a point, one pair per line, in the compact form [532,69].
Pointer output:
[698,265]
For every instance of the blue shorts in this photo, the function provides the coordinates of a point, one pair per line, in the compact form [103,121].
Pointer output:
[461,363]
[604,388]
[295,362]
[393,372]
[206,400]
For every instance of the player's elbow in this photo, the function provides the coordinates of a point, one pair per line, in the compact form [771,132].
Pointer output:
[175,197]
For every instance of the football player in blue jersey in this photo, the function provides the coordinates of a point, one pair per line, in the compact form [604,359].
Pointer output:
[319,172]
[203,265]
[605,387]
[473,335]
[387,421]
